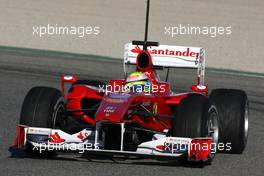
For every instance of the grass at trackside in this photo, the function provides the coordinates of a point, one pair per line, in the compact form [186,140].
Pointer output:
[64,54]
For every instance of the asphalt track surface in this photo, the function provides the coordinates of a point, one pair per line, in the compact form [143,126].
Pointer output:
[21,72]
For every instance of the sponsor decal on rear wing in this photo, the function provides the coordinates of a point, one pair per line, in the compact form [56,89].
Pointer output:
[168,55]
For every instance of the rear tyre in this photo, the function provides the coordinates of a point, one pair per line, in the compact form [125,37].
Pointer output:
[233,111]
[196,117]
[43,107]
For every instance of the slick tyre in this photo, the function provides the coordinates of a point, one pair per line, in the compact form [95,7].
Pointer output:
[39,107]
[43,107]
[196,116]
[233,111]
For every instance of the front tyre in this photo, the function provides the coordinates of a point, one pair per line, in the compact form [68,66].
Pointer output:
[233,111]
[39,107]
[195,117]
[43,107]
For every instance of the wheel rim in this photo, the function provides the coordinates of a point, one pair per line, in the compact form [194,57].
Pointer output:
[246,122]
[58,116]
[213,127]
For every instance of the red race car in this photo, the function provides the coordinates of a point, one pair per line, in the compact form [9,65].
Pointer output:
[139,115]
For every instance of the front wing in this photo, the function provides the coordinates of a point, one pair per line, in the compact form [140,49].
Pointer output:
[161,146]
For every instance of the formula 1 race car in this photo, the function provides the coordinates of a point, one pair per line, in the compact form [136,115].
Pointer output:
[138,116]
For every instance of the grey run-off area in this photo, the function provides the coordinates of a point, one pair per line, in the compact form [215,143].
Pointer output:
[121,21]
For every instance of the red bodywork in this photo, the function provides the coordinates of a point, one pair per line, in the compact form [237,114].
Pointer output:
[116,107]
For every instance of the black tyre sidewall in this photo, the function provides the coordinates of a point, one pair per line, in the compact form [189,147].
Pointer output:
[61,101]
[38,111]
[231,104]
[191,117]
[38,107]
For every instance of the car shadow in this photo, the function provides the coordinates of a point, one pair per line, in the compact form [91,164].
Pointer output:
[75,157]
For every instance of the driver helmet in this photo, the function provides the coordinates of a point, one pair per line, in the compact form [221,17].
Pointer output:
[138,82]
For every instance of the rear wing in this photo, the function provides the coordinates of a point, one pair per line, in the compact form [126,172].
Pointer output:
[171,57]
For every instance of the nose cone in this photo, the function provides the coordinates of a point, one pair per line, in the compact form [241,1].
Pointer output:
[113,108]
